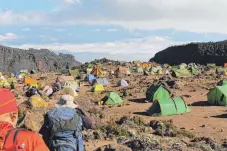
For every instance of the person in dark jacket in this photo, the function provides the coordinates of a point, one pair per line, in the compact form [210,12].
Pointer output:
[30,91]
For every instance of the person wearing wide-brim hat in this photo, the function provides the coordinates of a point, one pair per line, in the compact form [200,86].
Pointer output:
[68,101]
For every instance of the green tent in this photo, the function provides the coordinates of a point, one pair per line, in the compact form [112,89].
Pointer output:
[174,68]
[146,73]
[218,96]
[137,62]
[112,98]
[181,73]
[139,70]
[170,106]
[132,69]
[147,69]
[211,65]
[165,65]
[193,69]
[182,66]
[33,71]
[74,72]
[90,66]
[221,70]
[157,92]
[154,69]
[222,82]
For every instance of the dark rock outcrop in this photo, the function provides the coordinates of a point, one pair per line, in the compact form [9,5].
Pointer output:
[203,53]
[13,59]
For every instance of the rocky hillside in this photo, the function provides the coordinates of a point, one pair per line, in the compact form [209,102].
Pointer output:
[203,53]
[13,59]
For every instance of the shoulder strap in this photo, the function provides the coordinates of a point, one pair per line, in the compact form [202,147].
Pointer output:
[16,134]
[13,132]
[7,136]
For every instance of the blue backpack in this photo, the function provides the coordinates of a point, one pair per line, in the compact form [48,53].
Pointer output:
[63,130]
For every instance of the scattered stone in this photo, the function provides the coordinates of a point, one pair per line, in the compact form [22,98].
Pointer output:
[203,125]
[113,147]
[208,141]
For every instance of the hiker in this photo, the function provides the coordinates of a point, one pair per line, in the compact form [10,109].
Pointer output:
[63,125]
[32,90]
[1,77]
[3,85]
[11,138]
[124,92]
[57,86]
[57,80]
[12,86]
[20,79]
[167,72]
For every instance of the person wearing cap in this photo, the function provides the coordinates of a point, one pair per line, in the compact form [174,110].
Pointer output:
[12,138]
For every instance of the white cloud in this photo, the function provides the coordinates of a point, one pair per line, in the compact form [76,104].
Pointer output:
[9,17]
[8,36]
[111,30]
[26,29]
[48,38]
[146,47]
[45,28]
[53,39]
[59,29]
[71,1]
[97,30]
[189,15]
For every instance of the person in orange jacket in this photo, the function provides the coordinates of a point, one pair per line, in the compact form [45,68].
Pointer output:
[11,138]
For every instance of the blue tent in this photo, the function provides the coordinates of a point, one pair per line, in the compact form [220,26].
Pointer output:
[90,78]
[123,83]
[16,74]
[102,81]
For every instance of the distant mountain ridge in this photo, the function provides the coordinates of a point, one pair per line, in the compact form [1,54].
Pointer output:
[203,53]
[14,60]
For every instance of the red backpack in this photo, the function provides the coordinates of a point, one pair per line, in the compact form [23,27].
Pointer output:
[10,141]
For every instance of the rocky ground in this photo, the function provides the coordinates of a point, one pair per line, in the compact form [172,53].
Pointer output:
[128,128]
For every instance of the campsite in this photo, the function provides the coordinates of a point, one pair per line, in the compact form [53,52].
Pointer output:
[141,104]
[113,75]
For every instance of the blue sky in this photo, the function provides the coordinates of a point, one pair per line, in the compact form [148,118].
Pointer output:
[117,29]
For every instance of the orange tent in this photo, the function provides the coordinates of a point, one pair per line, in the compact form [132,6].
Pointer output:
[145,65]
[97,71]
[29,80]
[225,64]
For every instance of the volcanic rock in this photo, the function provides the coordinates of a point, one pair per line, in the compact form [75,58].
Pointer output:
[202,53]
[14,60]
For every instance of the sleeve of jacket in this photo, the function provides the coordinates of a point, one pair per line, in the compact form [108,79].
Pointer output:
[39,144]
[87,123]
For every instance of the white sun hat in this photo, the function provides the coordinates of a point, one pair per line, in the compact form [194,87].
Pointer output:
[66,101]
